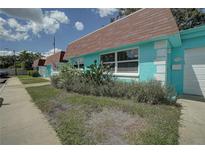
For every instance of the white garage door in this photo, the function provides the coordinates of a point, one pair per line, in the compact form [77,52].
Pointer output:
[194,71]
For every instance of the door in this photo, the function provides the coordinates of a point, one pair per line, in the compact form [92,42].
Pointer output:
[194,71]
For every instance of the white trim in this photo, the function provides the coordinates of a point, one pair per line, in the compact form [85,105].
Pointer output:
[113,62]
[126,74]
[124,61]
[156,62]
[161,69]
[107,25]
[116,62]
[119,50]
[78,59]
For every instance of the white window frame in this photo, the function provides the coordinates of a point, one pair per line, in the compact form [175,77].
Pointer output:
[78,63]
[134,74]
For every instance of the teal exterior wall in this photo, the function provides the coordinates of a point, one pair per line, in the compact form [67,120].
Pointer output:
[45,71]
[191,38]
[196,42]
[178,43]
[146,62]
[169,64]
[176,76]
[89,59]
[49,70]
[147,53]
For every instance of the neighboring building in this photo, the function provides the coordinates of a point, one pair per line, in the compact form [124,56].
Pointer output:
[146,45]
[49,66]
[52,63]
[38,62]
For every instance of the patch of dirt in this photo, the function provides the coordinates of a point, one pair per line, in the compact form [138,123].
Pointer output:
[111,126]
[57,108]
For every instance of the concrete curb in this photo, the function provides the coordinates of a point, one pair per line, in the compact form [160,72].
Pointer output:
[2,88]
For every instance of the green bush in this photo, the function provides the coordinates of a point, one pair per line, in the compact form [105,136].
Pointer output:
[56,81]
[98,81]
[98,74]
[151,92]
[30,72]
[35,73]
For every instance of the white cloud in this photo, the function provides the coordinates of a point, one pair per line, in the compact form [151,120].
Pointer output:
[51,52]
[104,12]
[79,25]
[59,16]
[2,21]
[11,36]
[10,53]
[6,53]
[13,23]
[11,29]
[32,14]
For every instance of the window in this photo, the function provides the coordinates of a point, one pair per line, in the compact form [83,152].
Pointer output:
[109,61]
[81,66]
[78,63]
[75,64]
[127,67]
[127,55]
[127,61]
[122,62]
[111,66]
[108,57]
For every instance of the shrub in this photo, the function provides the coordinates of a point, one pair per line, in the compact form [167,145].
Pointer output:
[98,74]
[30,72]
[56,81]
[151,92]
[98,81]
[35,73]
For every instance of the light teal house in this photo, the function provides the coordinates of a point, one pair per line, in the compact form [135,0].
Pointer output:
[146,45]
[49,66]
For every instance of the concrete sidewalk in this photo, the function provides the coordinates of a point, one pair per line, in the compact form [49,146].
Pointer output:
[192,129]
[37,84]
[21,122]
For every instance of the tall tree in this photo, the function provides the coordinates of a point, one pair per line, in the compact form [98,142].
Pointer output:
[123,12]
[188,18]
[185,18]
[26,59]
[6,61]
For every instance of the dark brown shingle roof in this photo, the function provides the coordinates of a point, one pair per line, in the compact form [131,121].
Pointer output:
[139,26]
[55,58]
[39,62]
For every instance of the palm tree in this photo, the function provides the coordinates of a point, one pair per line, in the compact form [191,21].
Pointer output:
[26,59]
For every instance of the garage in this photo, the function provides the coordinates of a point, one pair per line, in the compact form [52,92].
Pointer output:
[194,71]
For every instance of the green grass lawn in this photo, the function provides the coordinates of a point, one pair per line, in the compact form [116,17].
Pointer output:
[25,79]
[80,119]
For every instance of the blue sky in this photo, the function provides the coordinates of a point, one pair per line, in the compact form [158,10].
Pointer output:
[19,29]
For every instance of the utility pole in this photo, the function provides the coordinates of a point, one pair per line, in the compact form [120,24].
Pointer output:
[54,44]
[15,62]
